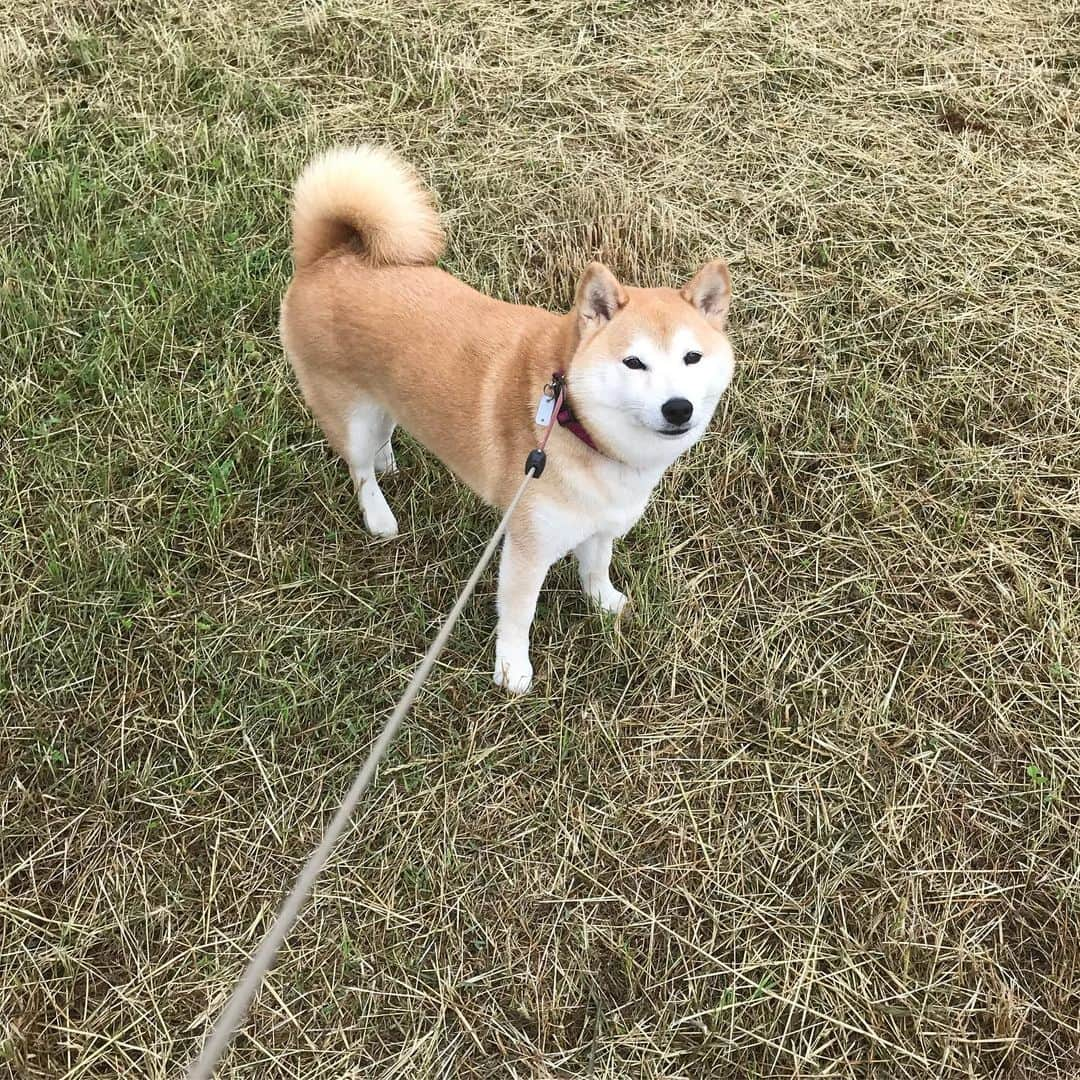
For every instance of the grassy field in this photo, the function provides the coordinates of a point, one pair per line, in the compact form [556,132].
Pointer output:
[812,811]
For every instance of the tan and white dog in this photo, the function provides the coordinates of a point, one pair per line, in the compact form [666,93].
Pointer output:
[379,336]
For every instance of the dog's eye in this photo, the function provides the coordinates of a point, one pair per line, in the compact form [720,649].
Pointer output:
[691,358]
[634,363]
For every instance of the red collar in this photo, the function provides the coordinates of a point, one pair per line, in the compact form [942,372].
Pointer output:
[566,416]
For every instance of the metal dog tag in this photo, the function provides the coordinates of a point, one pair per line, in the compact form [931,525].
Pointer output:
[545,409]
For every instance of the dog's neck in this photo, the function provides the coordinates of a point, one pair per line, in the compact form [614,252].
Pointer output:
[568,420]
[566,341]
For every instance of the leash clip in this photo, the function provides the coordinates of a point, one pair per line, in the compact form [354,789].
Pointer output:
[548,400]
[556,386]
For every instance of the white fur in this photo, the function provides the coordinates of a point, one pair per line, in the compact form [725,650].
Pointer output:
[607,494]
[369,431]
[370,192]
[608,497]
[626,404]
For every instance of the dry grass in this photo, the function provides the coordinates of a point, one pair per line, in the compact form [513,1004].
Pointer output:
[813,812]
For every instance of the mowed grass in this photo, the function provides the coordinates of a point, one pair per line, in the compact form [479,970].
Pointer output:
[811,811]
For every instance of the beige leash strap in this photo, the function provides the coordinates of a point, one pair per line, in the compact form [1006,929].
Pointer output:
[263,959]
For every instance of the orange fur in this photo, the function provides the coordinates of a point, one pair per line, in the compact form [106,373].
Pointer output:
[378,336]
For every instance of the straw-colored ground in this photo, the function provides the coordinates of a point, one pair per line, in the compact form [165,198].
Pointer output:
[813,811]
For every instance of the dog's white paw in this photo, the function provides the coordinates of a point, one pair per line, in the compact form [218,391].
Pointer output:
[378,517]
[610,600]
[380,521]
[513,672]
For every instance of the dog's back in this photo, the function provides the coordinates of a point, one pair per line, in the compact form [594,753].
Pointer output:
[378,335]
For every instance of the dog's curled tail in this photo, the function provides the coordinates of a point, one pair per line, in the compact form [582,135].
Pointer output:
[370,194]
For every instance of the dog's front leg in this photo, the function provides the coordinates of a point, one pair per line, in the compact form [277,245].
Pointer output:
[594,569]
[522,569]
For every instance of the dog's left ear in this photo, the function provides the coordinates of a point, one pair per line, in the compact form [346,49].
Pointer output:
[709,290]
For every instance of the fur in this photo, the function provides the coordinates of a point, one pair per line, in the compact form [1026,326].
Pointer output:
[379,336]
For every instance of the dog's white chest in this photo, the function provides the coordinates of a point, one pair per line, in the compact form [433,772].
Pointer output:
[606,499]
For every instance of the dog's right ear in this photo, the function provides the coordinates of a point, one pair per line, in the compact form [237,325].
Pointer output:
[599,297]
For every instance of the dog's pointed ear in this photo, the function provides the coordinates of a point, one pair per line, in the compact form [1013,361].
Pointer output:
[599,297]
[709,290]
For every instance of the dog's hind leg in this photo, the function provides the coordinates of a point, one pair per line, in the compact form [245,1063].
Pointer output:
[384,459]
[367,445]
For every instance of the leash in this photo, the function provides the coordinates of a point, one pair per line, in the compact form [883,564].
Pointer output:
[236,1008]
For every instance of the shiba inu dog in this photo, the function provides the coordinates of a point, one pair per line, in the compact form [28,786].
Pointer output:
[379,336]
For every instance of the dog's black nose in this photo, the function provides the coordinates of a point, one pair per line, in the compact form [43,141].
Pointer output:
[677,410]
